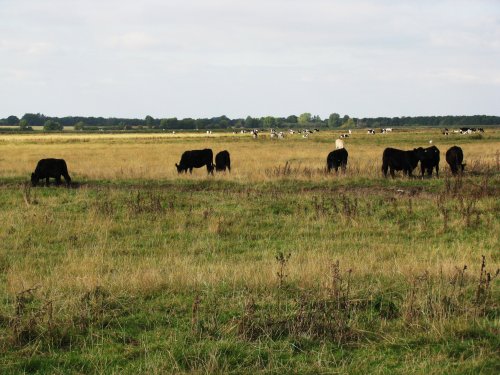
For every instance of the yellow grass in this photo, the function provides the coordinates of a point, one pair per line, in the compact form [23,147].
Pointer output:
[152,156]
[146,156]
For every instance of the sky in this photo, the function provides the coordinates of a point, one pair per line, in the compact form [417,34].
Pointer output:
[206,58]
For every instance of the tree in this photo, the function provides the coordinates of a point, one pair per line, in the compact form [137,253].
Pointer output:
[51,125]
[350,123]
[292,119]
[23,126]
[79,125]
[334,120]
[304,118]
[149,121]
[221,122]
[12,120]
[316,119]
[169,123]
[187,123]
[252,122]
[202,123]
[34,119]
[269,122]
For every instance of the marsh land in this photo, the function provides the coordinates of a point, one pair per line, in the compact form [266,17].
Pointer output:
[276,267]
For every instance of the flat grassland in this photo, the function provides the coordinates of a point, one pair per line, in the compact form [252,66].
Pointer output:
[276,267]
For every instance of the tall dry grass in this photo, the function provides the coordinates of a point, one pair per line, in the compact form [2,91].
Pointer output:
[128,276]
[152,156]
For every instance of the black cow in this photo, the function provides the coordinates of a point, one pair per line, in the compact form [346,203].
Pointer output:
[429,159]
[47,168]
[454,158]
[196,159]
[222,161]
[397,160]
[336,159]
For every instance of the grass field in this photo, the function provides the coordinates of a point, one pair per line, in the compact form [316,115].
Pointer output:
[276,267]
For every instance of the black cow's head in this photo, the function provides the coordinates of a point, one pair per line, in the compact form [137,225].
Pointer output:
[34,179]
[179,169]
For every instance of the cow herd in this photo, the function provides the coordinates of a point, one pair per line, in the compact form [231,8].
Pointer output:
[201,158]
[463,131]
[392,160]
[406,161]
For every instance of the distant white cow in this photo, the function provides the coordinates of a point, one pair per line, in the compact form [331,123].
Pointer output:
[370,131]
[281,135]
[339,143]
[350,131]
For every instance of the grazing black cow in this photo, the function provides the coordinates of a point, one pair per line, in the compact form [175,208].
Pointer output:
[397,160]
[47,168]
[222,161]
[336,159]
[429,159]
[196,159]
[454,158]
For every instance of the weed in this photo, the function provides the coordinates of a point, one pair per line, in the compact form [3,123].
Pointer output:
[93,306]
[195,319]
[483,290]
[141,203]
[443,210]
[454,301]
[467,209]
[349,206]
[29,196]
[282,260]
[280,171]
[246,324]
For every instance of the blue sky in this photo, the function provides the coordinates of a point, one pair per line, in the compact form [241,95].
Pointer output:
[201,58]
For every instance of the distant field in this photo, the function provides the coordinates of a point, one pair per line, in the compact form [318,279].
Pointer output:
[276,267]
[152,156]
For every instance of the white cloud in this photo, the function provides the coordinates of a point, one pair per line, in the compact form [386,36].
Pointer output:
[133,40]
[204,58]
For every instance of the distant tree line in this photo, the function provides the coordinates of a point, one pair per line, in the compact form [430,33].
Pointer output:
[51,123]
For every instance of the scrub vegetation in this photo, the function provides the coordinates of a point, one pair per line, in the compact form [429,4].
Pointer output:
[276,267]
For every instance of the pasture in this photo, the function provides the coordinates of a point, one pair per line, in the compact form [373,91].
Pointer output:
[276,267]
